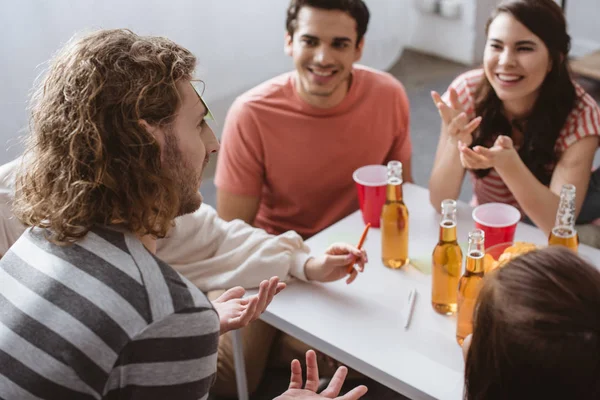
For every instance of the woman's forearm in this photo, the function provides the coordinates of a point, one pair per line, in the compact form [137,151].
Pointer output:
[536,200]
[446,176]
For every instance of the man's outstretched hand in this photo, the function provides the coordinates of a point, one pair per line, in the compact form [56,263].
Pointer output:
[309,392]
[236,312]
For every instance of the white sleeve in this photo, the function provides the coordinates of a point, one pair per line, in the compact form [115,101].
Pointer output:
[10,227]
[210,252]
[215,254]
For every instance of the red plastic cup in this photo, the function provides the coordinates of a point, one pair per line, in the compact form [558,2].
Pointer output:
[498,221]
[371,182]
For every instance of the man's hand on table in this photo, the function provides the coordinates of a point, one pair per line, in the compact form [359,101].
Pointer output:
[236,312]
[309,392]
[335,263]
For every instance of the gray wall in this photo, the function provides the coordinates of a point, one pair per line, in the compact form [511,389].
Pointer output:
[239,43]
[582,17]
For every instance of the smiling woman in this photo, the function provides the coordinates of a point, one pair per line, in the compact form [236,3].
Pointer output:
[520,68]
[520,125]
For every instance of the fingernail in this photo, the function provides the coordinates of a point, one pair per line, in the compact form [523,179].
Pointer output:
[350,257]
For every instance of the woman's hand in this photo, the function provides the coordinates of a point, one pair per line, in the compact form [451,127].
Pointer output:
[501,153]
[454,119]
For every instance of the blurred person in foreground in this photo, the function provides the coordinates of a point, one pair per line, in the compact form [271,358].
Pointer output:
[536,330]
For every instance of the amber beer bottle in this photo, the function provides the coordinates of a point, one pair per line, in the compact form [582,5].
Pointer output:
[447,263]
[564,232]
[469,285]
[394,220]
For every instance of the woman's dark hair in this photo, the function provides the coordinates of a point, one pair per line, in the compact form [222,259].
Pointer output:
[357,9]
[557,96]
[537,330]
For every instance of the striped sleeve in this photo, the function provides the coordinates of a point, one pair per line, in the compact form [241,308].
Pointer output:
[173,358]
[465,85]
[582,122]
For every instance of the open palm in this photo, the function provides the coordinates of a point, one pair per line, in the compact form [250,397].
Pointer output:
[454,118]
[295,390]
[236,312]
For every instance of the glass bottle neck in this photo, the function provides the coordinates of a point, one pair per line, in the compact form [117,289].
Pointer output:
[565,216]
[475,263]
[394,191]
[448,231]
[476,252]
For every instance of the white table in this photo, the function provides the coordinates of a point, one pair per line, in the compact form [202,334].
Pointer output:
[361,324]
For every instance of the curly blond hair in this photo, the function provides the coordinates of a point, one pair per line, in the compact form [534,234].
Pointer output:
[88,160]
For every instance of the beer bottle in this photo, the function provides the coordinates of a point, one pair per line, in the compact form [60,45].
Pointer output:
[394,220]
[470,284]
[564,232]
[447,263]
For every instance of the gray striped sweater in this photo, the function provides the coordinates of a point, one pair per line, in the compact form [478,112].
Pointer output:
[102,318]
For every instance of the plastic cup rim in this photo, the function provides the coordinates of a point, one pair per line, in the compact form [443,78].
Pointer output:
[501,205]
[369,184]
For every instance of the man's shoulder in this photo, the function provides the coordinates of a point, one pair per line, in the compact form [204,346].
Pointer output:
[379,89]
[267,92]
[104,247]
[378,79]
[129,256]
[101,245]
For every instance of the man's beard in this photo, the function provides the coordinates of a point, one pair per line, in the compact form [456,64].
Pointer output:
[184,177]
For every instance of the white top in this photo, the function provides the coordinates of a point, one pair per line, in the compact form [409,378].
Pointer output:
[361,324]
[210,252]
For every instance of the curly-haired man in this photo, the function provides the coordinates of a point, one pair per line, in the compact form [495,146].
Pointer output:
[117,147]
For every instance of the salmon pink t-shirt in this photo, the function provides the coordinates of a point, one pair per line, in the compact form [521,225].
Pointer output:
[299,159]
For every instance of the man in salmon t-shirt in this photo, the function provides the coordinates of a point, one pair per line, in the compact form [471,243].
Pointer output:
[291,144]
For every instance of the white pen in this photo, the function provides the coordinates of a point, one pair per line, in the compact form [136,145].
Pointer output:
[412,296]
